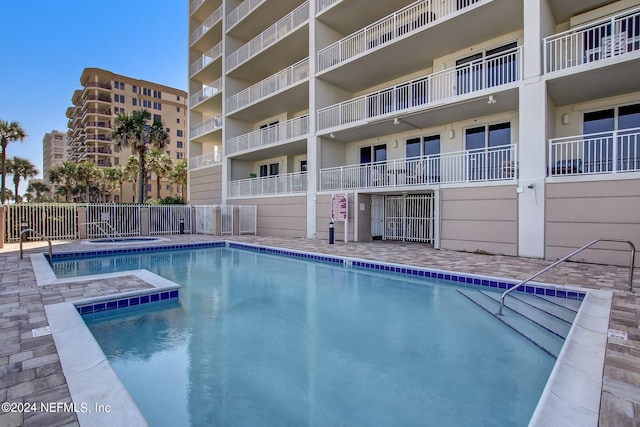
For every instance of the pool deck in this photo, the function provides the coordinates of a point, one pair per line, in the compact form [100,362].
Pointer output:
[30,369]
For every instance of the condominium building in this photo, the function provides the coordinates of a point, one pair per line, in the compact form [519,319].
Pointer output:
[103,96]
[54,152]
[501,126]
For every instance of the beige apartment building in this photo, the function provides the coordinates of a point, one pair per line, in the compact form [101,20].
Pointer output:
[54,152]
[104,94]
[502,126]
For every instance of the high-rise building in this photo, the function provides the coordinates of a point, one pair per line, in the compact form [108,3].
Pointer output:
[91,118]
[500,126]
[54,152]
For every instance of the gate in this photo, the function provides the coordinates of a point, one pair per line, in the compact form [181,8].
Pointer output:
[410,218]
[377,216]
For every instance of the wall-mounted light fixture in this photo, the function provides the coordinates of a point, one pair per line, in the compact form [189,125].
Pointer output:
[396,121]
[491,100]
[565,119]
[395,143]
[452,134]
[332,136]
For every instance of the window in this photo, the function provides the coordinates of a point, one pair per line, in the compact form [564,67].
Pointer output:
[134,101]
[179,144]
[179,132]
[179,155]
[146,91]
[178,96]
[157,118]
[168,130]
[157,106]
[178,109]
[271,169]
[491,68]
[489,156]
[423,146]
[134,88]
[116,161]
[269,132]
[118,98]
[146,103]
[157,94]
[303,165]
[177,120]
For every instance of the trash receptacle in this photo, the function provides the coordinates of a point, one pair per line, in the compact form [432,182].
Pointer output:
[181,226]
[331,233]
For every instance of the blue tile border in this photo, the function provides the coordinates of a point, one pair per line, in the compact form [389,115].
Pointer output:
[123,251]
[127,301]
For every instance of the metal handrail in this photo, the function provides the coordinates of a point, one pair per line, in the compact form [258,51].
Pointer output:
[633,256]
[26,230]
[107,235]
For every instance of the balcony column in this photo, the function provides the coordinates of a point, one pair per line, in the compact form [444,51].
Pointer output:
[313,172]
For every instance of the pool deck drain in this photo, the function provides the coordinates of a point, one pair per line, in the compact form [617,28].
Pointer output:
[30,369]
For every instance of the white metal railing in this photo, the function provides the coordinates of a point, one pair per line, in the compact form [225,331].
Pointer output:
[280,132]
[208,24]
[269,86]
[209,125]
[167,219]
[206,59]
[208,159]
[208,91]
[324,4]
[605,152]
[483,164]
[53,220]
[269,185]
[195,4]
[409,19]
[486,73]
[248,220]
[613,36]
[245,8]
[277,31]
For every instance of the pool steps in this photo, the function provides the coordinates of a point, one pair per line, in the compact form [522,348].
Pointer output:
[544,321]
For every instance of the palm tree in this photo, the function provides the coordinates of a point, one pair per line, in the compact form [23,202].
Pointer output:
[7,194]
[20,168]
[38,187]
[86,174]
[159,163]
[112,179]
[133,131]
[131,172]
[179,176]
[67,173]
[9,132]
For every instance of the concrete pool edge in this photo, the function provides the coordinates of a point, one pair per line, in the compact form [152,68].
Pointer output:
[562,402]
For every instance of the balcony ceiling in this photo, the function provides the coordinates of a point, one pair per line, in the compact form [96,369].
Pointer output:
[349,16]
[291,100]
[205,10]
[417,52]
[618,77]
[563,10]
[470,108]
[261,18]
[289,149]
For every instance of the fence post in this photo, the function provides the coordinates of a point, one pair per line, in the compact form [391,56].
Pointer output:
[82,222]
[3,218]
[144,221]
[236,220]
[192,211]
[217,221]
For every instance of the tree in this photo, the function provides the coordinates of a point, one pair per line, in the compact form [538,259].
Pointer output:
[38,187]
[65,173]
[9,132]
[179,176]
[133,131]
[20,168]
[113,178]
[86,174]
[160,164]
[7,194]
[131,171]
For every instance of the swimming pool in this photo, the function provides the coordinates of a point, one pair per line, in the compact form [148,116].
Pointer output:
[272,340]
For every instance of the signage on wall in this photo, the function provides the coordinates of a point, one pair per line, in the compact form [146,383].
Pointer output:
[339,207]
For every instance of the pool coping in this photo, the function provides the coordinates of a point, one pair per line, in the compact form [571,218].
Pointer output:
[572,393]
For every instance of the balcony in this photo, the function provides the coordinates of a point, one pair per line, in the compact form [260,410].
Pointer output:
[269,86]
[194,5]
[241,11]
[207,92]
[98,137]
[208,24]
[268,37]
[433,89]
[207,126]
[208,159]
[479,165]
[97,85]
[207,58]
[598,153]
[290,183]
[106,151]
[279,133]
[325,4]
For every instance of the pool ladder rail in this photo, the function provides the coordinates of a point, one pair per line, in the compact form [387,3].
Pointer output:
[104,232]
[632,262]
[31,230]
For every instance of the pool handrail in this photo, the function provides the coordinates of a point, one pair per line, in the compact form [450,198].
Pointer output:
[632,262]
[107,235]
[31,230]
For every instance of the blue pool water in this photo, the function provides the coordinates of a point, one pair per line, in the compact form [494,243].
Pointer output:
[259,339]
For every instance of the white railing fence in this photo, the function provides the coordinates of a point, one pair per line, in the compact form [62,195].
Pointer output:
[207,159]
[269,185]
[206,59]
[616,35]
[410,218]
[237,14]
[209,23]
[68,221]
[484,164]
[491,71]
[208,91]
[273,134]
[209,125]
[605,152]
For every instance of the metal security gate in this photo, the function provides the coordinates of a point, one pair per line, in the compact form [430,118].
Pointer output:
[410,218]
[377,216]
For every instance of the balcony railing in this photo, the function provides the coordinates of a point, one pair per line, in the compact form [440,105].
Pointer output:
[409,19]
[208,159]
[195,4]
[206,59]
[269,185]
[324,4]
[486,73]
[597,153]
[613,36]
[271,135]
[277,31]
[267,87]
[483,164]
[208,24]
[245,8]
[98,85]
[209,125]
[207,92]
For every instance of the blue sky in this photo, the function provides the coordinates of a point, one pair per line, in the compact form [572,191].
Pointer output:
[47,44]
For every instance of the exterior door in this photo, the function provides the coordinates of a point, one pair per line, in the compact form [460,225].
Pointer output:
[377,216]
